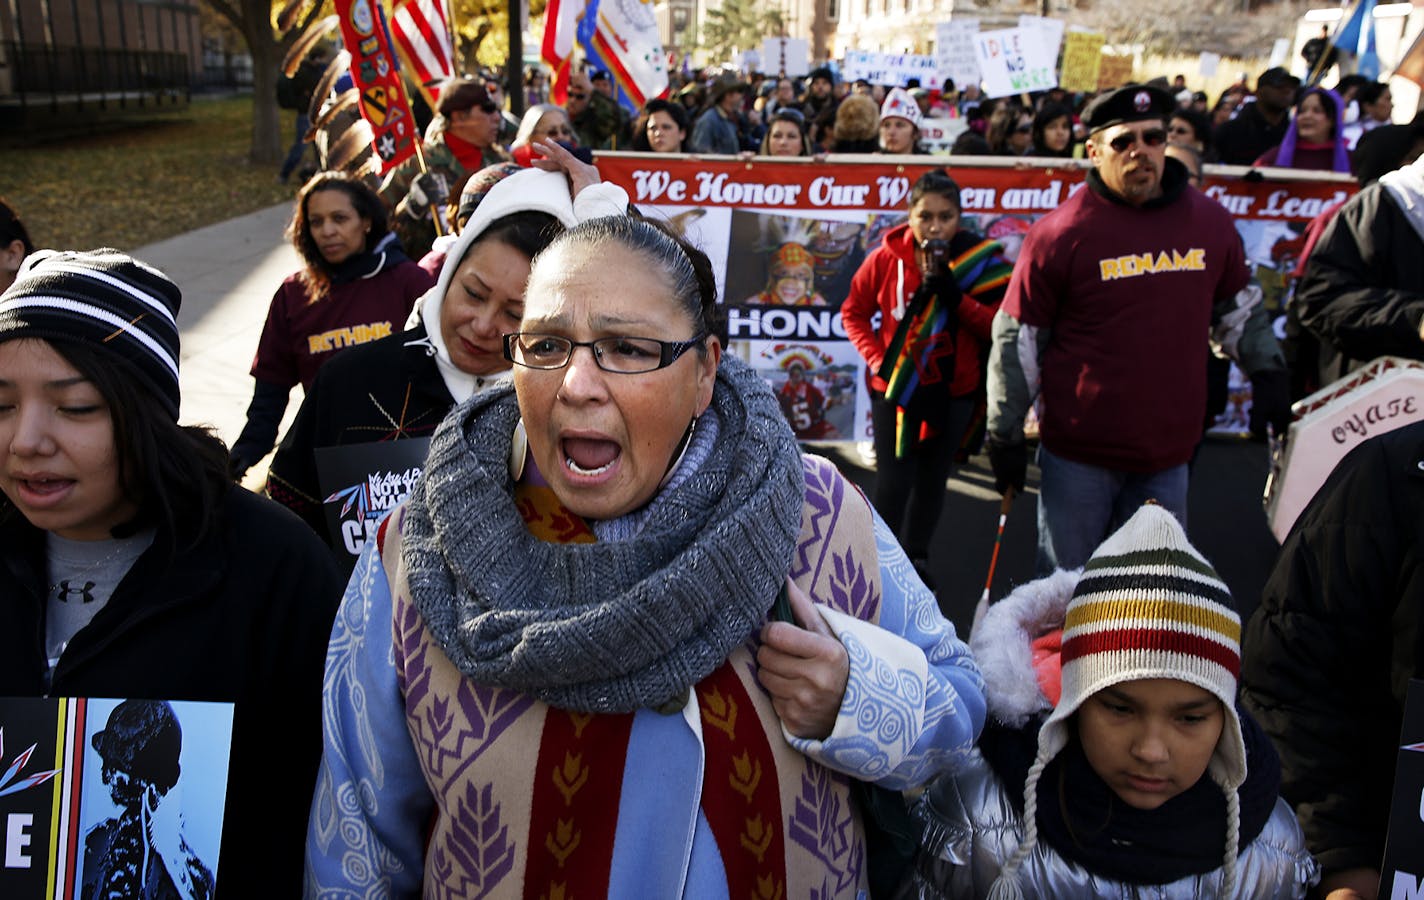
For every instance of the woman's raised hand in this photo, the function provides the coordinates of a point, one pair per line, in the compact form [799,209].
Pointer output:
[805,668]
[557,158]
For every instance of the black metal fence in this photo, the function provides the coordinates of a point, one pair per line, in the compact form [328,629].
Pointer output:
[41,77]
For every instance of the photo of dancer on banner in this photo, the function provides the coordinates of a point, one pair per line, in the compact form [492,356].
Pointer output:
[151,813]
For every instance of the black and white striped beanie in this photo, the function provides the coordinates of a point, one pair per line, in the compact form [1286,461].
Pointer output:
[105,298]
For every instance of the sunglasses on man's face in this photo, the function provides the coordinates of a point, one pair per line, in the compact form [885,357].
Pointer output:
[1152,137]
[578,96]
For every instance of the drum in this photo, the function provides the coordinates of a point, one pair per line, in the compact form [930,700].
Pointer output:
[1384,395]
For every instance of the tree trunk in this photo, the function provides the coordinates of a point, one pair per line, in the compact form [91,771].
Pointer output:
[266,116]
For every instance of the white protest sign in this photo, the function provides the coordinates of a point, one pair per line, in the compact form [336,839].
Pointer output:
[954,52]
[894,69]
[789,56]
[1012,61]
[938,135]
[1049,31]
[1208,64]
[1278,52]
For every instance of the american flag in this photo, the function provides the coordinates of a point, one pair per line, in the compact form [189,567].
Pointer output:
[422,37]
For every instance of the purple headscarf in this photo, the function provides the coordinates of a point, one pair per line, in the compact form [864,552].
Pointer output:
[1285,155]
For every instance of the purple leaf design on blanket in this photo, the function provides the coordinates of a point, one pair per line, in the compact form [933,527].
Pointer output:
[459,733]
[852,592]
[475,845]
[821,823]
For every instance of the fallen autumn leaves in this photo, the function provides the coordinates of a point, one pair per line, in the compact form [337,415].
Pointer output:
[140,184]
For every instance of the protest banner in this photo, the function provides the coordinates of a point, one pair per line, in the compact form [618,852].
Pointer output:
[363,482]
[67,835]
[1013,61]
[383,100]
[783,304]
[1114,70]
[1082,52]
[893,69]
[954,52]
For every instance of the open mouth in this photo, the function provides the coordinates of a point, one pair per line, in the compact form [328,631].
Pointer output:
[589,457]
[41,489]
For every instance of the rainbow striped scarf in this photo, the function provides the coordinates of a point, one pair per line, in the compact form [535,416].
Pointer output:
[922,350]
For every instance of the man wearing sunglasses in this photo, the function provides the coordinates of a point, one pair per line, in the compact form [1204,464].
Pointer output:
[464,139]
[1105,323]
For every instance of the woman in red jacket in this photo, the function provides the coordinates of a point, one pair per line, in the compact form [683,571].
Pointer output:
[936,288]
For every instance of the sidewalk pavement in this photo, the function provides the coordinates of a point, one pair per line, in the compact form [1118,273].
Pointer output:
[228,273]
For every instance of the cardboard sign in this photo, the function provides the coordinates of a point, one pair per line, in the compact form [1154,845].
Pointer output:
[363,482]
[1208,63]
[1114,70]
[1013,61]
[892,69]
[786,56]
[954,52]
[1082,53]
[61,824]
[1403,872]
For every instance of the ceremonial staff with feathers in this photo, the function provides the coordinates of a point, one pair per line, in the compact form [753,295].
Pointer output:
[340,128]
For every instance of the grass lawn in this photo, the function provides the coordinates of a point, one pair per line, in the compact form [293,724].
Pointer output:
[150,181]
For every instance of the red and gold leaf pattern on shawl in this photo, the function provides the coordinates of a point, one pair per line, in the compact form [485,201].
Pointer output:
[578,779]
[741,797]
[577,784]
[547,519]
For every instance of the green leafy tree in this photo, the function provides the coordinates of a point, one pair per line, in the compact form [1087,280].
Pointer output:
[739,25]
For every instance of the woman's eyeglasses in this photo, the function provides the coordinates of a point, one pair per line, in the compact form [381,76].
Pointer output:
[623,355]
[1152,137]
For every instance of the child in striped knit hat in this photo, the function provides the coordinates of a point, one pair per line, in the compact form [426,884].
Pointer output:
[1115,763]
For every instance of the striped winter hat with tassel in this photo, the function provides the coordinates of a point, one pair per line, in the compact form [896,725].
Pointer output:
[1148,606]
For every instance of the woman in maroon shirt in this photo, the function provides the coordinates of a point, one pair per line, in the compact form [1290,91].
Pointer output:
[356,285]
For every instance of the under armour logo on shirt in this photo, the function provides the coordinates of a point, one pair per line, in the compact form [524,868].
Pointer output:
[66,589]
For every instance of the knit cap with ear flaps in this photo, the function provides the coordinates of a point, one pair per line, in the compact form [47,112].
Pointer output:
[1147,606]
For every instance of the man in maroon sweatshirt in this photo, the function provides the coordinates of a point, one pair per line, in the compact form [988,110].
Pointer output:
[1112,297]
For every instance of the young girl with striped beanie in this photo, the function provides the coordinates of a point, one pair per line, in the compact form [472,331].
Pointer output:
[1116,762]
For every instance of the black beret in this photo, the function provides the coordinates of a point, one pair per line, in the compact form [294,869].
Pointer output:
[1130,103]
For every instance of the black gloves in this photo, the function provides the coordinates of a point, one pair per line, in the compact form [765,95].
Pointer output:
[427,189]
[1010,464]
[1270,402]
[264,416]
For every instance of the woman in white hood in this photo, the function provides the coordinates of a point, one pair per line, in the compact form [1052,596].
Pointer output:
[401,386]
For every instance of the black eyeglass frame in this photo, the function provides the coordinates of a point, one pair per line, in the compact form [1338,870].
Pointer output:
[668,351]
[1152,137]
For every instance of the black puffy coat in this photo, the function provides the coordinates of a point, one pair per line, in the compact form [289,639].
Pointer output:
[242,617]
[1362,293]
[1328,655]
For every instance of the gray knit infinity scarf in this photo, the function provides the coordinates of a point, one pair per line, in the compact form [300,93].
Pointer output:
[616,626]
